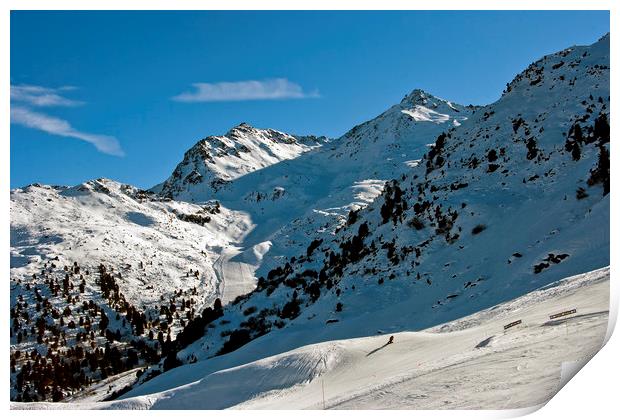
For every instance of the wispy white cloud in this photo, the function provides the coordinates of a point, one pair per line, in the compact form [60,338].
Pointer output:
[42,96]
[52,125]
[247,90]
[25,97]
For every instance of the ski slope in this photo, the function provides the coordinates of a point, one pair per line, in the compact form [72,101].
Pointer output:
[470,363]
[234,277]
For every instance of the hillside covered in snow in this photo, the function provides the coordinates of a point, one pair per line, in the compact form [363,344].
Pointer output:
[470,363]
[263,247]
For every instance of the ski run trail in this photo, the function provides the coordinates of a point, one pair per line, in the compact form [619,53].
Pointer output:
[234,278]
[469,363]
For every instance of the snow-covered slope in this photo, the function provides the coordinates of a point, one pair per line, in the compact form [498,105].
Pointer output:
[352,173]
[105,265]
[148,239]
[470,363]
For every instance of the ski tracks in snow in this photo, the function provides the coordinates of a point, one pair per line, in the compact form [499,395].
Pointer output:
[234,278]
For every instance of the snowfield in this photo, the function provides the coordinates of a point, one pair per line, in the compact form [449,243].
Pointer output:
[422,113]
[470,363]
[103,221]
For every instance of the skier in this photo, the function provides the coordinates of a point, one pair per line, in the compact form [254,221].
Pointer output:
[391,340]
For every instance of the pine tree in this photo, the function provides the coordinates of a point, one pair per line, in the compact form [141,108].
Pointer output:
[103,324]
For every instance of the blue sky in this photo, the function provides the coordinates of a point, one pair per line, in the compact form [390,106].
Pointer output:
[122,95]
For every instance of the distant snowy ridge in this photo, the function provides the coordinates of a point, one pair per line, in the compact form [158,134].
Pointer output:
[216,160]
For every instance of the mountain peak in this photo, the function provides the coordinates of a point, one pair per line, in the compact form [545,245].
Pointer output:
[418,97]
[242,127]
[423,106]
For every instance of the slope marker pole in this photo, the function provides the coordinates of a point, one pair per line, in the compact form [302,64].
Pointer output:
[323,388]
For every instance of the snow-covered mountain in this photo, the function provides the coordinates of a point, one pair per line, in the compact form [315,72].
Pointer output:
[217,160]
[161,251]
[427,213]
[514,198]
[290,200]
